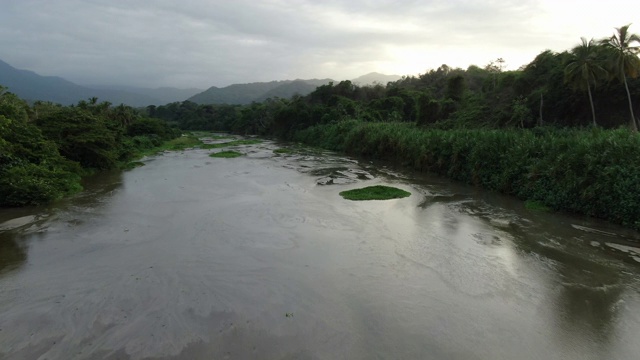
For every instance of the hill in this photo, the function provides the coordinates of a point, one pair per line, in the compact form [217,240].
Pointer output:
[300,87]
[258,91]
[243,94]
[375,78]
[31,86]
[162,95]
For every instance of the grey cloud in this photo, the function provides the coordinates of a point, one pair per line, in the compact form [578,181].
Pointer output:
[203,43]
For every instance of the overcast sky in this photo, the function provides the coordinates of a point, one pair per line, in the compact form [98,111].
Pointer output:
[202,43]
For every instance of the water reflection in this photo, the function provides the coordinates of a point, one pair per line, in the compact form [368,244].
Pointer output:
[20,226]
[12,254]
[587,300]
[98,188]
[583,287]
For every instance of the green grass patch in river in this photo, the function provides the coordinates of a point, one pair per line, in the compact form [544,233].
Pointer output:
[230,143]
[182,143]
[210,135]
[377,192]
[284,151]
[226,154]
[132,165]
[536,206]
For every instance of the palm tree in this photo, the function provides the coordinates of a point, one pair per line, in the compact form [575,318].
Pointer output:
[585,69]
[624,61]
[123,115]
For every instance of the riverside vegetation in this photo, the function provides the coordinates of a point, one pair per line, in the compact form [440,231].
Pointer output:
[45,148]
[559,132]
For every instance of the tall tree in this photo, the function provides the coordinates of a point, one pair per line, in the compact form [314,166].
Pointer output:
[495,67]
[585,69]
[624,61]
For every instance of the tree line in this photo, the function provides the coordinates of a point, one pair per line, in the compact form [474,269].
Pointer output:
[565,89]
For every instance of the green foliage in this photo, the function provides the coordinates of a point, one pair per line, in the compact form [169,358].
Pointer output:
[191,116]
[82,137]
[377,192]
[587,172]
[31,169]
[13,107]
[622,53]
[132,165]
[429,110]
[32,184]
[586,69]
[536,206]
[456,86]
[520,114]
[156,127]
[44,150]
[181,143]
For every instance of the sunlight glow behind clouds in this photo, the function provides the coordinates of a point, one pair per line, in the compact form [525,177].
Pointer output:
[204,43]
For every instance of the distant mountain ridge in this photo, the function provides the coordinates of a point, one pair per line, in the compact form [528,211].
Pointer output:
[259,91]
[243,94]
[375,78]
[164,95]
[31,86]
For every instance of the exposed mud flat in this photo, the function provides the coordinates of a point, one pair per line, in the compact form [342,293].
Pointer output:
[192,257]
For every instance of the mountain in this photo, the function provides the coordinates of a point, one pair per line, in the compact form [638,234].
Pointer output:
[375,78]
[31,86]
[299,87]
[163,95]
[259,91]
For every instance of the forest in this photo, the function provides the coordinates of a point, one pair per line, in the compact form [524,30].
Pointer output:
[594,84]
[560,131]
[46,148]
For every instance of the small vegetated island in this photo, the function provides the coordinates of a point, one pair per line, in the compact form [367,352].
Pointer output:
[376,192]
[560,132]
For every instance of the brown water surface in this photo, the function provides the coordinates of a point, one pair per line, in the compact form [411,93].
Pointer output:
[193,257]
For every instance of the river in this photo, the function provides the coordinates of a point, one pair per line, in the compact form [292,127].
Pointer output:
[193,257]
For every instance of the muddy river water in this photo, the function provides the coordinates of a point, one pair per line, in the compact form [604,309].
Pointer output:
[193,257]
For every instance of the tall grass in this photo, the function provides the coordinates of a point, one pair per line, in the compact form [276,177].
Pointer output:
[592,172]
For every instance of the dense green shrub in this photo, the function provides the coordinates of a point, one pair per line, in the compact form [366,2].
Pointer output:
[593,172]
[31,169]
[32,184]
[155,127]
[45,149]
[83,137]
